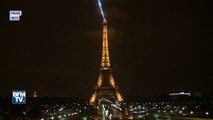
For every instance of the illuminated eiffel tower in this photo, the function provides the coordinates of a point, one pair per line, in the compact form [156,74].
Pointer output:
[106,87]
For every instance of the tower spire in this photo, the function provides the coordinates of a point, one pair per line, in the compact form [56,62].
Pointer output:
[105,61]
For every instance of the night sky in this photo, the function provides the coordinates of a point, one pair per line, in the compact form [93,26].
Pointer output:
[156,46]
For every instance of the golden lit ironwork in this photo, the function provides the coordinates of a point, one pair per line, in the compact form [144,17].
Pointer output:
[106,87]
[105,62]
[92,99]
[112,82]
[100,80]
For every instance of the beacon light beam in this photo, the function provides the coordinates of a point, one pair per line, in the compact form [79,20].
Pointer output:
[101,10]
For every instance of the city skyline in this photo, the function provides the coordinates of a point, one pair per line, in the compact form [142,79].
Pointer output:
[156,47]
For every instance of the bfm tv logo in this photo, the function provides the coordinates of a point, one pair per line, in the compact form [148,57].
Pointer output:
[19,96]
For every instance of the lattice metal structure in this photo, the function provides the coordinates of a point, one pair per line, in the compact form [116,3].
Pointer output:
[106,86]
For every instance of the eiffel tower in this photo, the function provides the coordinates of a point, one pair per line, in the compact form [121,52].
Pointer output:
[106,87]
